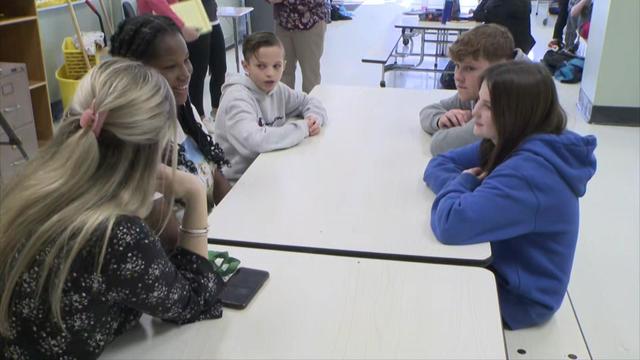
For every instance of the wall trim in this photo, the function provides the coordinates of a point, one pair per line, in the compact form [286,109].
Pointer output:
[607,115]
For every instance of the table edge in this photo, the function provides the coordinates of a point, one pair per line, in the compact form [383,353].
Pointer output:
[355,253]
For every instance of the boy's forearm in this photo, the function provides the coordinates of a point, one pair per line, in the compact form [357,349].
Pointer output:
[269,138]
[429,117]
[315,107]
[452,138]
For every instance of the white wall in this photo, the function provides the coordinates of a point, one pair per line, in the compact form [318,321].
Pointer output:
[594,49]
[612,68]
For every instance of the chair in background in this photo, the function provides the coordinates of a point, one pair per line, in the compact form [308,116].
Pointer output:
[127,9]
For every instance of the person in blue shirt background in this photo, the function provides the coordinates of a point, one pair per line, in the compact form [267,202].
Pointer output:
[518,188]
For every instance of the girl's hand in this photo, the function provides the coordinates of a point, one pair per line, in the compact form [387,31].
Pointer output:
[193,192]
[477,172]
[182,185]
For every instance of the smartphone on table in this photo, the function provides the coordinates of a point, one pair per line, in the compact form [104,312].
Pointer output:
[242,286]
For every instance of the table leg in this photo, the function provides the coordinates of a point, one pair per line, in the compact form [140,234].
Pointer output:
[235,42]
[438,48]
[247,21]
[446,43]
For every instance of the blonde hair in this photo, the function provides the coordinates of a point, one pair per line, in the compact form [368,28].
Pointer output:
[73,190]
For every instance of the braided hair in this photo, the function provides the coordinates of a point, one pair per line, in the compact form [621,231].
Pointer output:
[211,149]
[138,38]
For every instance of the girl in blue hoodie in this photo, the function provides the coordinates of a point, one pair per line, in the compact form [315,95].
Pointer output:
[518,188]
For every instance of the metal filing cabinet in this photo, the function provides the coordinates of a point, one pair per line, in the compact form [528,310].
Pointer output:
[15,105]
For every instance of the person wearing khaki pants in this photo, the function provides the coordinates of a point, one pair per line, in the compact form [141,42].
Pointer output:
[301,25]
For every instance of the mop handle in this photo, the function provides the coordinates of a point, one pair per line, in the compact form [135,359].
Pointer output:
[79,35]
[107,18]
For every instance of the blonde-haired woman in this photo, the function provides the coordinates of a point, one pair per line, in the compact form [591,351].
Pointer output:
[78,266]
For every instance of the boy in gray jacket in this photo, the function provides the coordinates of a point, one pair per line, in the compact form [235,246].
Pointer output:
[256,109]
[449,121]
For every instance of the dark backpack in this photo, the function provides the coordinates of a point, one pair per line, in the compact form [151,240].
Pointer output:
[571,71]
[555,59]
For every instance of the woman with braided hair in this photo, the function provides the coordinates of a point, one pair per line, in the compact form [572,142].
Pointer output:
[157,42]
[208,52]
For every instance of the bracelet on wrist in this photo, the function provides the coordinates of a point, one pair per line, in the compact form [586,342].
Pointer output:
[204,231]
[187,235]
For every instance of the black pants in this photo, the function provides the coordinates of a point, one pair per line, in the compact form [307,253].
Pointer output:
[208,52]
[561,21]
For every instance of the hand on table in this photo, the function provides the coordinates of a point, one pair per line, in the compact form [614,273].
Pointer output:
[313,124]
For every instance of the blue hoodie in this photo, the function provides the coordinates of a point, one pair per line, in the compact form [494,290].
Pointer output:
[527,208]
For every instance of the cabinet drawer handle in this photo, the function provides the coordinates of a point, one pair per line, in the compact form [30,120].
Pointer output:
[11,108]
[19,162]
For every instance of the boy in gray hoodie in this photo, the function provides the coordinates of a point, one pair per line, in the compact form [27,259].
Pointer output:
[449,120]
[256,108]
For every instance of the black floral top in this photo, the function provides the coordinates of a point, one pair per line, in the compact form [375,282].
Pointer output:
[136,277]
[301,14]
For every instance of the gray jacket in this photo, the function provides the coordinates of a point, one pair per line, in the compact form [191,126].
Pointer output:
[444,140]
[451,138]
[250,121]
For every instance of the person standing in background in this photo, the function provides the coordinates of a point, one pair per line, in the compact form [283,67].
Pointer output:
[161,7]
[561,22]
[208,53]
[579,14]
[512,14]
[301,25]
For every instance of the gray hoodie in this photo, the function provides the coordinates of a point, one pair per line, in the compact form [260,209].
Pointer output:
[444,140]
[250,121]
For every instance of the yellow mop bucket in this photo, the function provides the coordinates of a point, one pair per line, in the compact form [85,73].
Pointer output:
[76,67]
[67,86]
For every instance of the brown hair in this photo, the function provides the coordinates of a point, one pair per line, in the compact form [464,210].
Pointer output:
[523,102]
[488,41]
[257,41]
